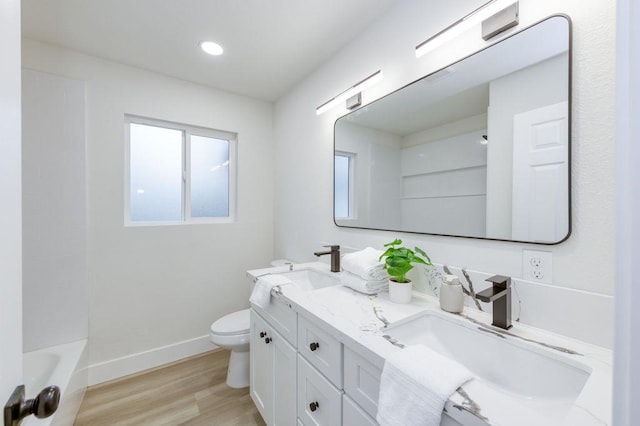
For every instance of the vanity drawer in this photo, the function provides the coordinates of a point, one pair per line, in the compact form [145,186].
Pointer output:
[352,415]
[361,381]
[321,349]
[281,316]
[319,402]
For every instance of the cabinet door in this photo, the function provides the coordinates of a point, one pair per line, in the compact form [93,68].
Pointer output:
[319,402]
[361,381]
[284,382]
[261,365]
[352,415]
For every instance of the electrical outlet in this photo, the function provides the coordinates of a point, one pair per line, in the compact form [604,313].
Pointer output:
[537,266]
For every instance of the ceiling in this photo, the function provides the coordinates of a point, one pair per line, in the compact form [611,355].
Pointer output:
[270,45]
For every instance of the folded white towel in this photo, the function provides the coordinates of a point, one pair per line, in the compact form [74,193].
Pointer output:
[365,264]
[261,294]
[415,384]
[361,285]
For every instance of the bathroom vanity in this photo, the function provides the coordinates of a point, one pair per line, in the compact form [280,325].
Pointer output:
[318,350]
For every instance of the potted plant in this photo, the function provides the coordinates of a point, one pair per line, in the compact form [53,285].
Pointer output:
[398,261]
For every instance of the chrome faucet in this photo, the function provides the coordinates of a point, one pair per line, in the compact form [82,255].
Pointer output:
[335,257]
[500,295]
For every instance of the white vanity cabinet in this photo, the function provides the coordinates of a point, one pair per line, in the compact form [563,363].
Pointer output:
[319,401]
[319,375]
[321,349]
[354,415]
[361,382]
[273,374]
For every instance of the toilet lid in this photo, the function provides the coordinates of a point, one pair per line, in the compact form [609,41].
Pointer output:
[235,323]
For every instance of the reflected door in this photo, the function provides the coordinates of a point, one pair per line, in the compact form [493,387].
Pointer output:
[540,174]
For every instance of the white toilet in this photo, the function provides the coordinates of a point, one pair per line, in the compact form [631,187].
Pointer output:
[232,332]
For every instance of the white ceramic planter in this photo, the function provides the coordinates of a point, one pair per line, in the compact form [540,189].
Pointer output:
[400,292]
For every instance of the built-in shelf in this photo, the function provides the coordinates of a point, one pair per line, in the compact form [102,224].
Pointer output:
[448,170]
[443,196]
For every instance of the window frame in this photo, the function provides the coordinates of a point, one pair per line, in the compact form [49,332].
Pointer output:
[187,131]
[351,191]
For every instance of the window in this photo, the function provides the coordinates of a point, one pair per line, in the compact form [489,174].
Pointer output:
[178,173]
[343,186]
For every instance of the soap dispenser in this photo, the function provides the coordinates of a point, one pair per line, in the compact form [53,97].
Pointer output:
[451,295]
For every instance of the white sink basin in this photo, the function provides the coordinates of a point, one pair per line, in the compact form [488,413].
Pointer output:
[311,279]
[525,369]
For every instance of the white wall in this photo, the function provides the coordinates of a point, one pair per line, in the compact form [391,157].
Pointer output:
[10,194]
[304,151]
[55,289]
[160,285]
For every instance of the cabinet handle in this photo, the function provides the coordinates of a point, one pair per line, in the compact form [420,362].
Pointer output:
[314,406]
[262,334]
[313,346]
[267,340]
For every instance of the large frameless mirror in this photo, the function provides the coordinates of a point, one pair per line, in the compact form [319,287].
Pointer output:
[480,148]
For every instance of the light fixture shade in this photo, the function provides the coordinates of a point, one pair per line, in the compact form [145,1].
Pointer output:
[461,25]
[351,91]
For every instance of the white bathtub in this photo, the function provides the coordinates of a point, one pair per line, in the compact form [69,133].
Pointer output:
[64,366]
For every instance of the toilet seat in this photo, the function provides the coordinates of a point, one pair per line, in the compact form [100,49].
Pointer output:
[232,324]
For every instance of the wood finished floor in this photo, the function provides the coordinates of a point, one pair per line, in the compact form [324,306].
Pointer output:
[190,392]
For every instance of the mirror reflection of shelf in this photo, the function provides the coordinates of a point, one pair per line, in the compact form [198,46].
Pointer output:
[444,196]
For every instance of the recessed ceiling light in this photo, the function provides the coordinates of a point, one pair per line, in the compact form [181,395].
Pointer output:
[211,48]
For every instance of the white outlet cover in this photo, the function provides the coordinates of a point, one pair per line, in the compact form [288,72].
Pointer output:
[537,266]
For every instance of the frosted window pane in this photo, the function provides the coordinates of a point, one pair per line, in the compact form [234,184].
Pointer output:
[156,174]
[341,190]
[209,177]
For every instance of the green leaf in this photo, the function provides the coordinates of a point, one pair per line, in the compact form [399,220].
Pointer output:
[399,270]
[425,255]
[397,261]
[393,243]
[417,259]
[389,252]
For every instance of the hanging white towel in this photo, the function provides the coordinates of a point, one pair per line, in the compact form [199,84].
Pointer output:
[261,294]
[361,285]
[365,264]
[416,382]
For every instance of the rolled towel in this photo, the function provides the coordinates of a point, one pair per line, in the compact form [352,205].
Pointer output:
[261,294]
[416,382]
[361,285]
[365,264]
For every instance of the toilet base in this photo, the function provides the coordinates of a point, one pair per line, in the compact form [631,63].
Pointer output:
[238,371]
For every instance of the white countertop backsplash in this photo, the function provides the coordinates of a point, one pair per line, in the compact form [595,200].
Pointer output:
[359,320]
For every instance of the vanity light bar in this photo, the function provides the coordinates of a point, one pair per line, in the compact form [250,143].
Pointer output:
[463,24]
[351,91]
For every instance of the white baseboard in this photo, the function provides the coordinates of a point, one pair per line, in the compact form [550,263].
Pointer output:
[135,363]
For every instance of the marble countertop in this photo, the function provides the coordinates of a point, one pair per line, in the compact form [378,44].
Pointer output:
[365,324]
